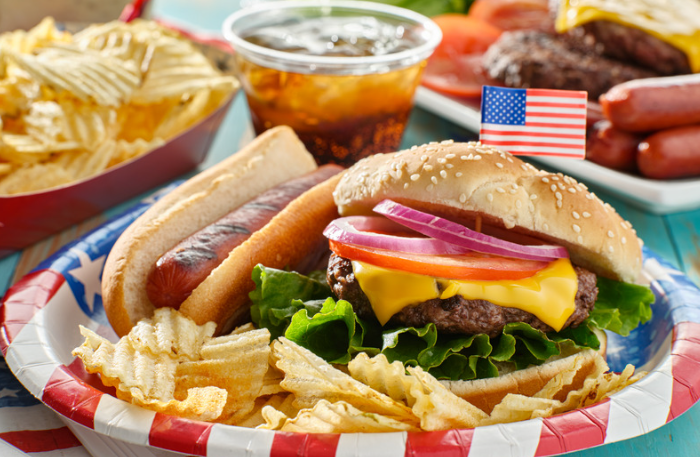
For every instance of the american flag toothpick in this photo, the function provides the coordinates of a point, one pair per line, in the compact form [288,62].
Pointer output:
[540,122]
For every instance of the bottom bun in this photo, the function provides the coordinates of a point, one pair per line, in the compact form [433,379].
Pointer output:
[487,393]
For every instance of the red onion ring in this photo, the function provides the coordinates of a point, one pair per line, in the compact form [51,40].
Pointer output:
[358,230]
[457,234]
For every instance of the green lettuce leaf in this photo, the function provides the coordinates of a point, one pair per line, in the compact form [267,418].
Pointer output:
[298,307]
[431,7]
[621,306]
[279,294]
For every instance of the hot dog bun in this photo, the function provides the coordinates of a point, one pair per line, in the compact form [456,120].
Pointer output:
[272,158]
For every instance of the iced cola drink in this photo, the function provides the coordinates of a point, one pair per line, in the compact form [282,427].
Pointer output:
[342,78]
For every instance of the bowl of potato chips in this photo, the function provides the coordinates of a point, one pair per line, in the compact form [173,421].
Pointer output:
[90,119]
[170,384]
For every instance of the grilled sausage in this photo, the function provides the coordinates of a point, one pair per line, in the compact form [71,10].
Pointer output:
[671,153]
[180,270]
[612,148]
[646,105]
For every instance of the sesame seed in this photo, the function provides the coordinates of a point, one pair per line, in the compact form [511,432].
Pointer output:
[464,158]
[533,197]
[611,234]
[449,165]
[447,142]
[431,148]
[576,215]
[515,186]
[554,188]
[611,249]
[499,165]
[501,190]
[429,187]
[509,159]
[413,148]
[572,190]
[463,198]
[561,186]
[489,197]
[443,173]
[405,186]
[522,165]
[450,156]
[427,167]
[559,203]
[477,157]
[589,196]
[576,228]
[512,191]
[623,224]
[580,239]
[546,227]
[433,179]
[624,240]
[458,174]
[555,178]
[545,180]
[423,158]
[586,214]
[433,142]
[483,151]
[518,203]
[558,195]
[441,160]
[415,177]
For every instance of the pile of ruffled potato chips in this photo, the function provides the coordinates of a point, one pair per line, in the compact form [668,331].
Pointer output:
[171,365]
[72,106]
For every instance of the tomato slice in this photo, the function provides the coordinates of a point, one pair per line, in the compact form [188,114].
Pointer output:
[514,14]
[473,266]
[455,66]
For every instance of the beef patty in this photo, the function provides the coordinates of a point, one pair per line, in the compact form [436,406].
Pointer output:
[535,59]
[457,314]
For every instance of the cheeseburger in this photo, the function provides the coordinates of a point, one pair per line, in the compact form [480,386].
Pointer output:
[471,263]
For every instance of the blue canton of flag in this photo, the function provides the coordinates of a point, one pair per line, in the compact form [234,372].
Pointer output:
[534,121]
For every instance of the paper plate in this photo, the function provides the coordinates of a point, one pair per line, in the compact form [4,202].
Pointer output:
[39,329]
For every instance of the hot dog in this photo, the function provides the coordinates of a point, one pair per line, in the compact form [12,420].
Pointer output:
[671,153]
[611,147]
[274,157]
[186,265]
[646,105]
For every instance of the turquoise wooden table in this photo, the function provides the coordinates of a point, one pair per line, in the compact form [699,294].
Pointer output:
[676,237]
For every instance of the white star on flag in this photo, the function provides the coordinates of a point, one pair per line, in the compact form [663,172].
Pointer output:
[8,393]
[88,273]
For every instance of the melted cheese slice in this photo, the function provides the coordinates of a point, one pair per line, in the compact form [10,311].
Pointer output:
[676,22]
[549,294]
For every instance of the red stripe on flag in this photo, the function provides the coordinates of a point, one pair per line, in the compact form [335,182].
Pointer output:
[23,300]
[551,154]
[555,105]
[179,435]
[685,359]
[41,440]
[556,93]
[579,429]
[295,444]
[71,397]
[582,125]
[449,443]
[562,115]
[572,136]
[533,144]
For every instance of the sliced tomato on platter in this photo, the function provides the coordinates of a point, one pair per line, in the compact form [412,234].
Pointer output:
[455,66]
[473,266]
[514,14]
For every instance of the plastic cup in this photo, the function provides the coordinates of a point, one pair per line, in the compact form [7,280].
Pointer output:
[343,107]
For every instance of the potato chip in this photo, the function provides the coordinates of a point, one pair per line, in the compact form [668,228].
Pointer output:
[171,332]
[339,417]
[382,376]
[236,363]
[200,403]
[33,178]
[312,379]
[255,417]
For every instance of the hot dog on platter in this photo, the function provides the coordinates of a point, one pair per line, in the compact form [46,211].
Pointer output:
[270,160]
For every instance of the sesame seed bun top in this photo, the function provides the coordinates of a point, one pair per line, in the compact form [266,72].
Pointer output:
[480,185]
